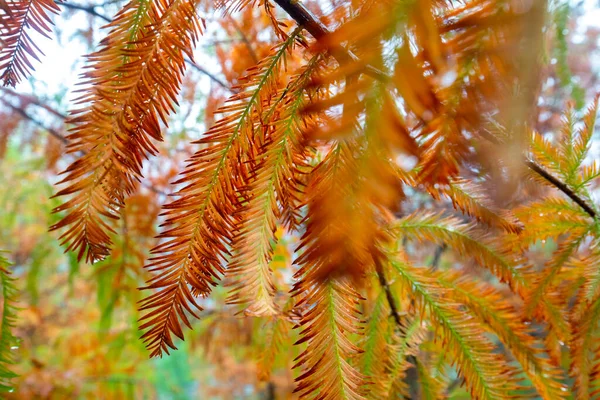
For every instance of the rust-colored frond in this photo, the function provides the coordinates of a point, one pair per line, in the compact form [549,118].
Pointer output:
[134,79]
[18,48]
[469,198]
[201,223]
[502,318]
[343,224]
[487,374]
[357,188]
[232,6]
[446,57]
[330,317]
[461,55]
[466,241]
[274,191]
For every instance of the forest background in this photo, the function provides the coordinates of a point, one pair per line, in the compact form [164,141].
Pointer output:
[77,323]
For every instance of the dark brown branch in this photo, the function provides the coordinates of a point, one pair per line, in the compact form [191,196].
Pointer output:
[388,293]
[318,30]
[411,373]
[437,256]
[562,187]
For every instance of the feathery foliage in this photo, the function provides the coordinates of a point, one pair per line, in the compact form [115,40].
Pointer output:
[132,87]
[356,146]
[8,342]
[202,221]
[18,48]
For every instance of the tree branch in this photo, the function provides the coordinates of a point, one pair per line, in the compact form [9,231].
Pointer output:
[88,9]
[244,39]
[213,77]
[411,373]
[388,293]
[437,256]
[318,30]
[562,187]
[28,117]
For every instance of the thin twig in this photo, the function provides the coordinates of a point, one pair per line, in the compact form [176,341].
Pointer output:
[396,315]
[92,11]
[88,9]
[437,256]
[28,117]
[27,98]
[213,77]
[244,39]
[388,293]
[62,138]
[562,187]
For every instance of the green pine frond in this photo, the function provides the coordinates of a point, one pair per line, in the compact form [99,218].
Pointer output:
[387,348]
[551,218]
[8,342]
[276,332]
[589,173]
[378,333]
[539,293]
[585,352]
[406,343]
[465,240]
[546,154]
[498,313]
[431,385]
[582,141]
[487,374]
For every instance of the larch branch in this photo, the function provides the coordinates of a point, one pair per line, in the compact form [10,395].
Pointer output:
[562,187]
[388,293]
[318,30]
